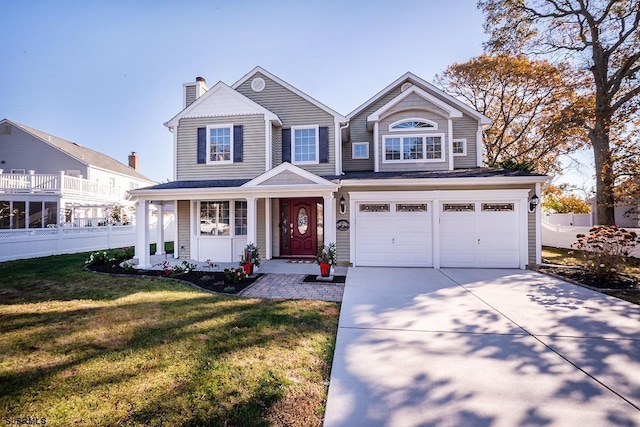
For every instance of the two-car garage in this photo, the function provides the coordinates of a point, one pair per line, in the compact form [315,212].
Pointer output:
[420,230]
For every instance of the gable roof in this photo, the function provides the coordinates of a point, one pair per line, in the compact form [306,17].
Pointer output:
[82,154]
[447,108]
[284,167]
[408,76]
[222,100]
[339,117]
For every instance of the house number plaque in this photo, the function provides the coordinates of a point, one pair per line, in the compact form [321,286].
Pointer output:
[342,225]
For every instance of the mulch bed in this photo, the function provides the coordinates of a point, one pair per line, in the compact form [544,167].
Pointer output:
[579,275]
[313,278]
[215,281]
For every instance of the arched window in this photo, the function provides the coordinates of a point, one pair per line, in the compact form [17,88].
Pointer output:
[412,124]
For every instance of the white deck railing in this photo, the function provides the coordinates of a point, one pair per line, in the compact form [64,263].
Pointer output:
[61,184]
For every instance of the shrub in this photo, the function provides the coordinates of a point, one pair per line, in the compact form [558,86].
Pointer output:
[235,275]
[605,247]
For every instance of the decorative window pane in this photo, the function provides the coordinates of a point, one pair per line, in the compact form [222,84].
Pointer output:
[459,207]
[412,148]
[392,148]
[360,150]
[413,124]
[304,145]
[374,208]
[220,144]
[214,218]
[303,221]
[422,207]
[240,218]
[459,147]
[497,207]
[434,147]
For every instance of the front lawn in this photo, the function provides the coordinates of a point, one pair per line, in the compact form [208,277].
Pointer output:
[81,348]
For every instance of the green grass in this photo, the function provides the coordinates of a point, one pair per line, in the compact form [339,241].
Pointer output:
[81,348]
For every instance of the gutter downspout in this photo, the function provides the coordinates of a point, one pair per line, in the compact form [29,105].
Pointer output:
[339,147]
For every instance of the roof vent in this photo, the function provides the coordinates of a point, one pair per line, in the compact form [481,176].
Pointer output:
[258,84]
[405,86]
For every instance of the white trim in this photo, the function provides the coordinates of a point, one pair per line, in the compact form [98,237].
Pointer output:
[435,230]
[252,107]
[282,167]
[417,80]
[434,125]
[268,227]
[464,147]
[353,150]
[337,148]
[175,154]
[441,182]
[293,145]
[479,146]
[448,110]
[450,143]
[268,149]
[208,142]
[424,148]
[339,117]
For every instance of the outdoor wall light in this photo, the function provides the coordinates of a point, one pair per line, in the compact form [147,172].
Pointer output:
[533,202]
[343,205]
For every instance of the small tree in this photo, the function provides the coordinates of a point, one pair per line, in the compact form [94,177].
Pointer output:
[605,247]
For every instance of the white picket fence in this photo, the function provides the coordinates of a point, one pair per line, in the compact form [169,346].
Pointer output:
[33,243]
[562,236]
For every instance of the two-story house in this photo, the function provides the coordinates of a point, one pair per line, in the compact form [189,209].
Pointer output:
[46,181]
[397,182]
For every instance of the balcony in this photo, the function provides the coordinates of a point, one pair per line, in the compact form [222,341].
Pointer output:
[60,184]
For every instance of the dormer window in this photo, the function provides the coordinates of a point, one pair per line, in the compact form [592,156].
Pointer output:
[413,124]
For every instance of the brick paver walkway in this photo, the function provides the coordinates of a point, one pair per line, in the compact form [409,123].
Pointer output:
[290,286]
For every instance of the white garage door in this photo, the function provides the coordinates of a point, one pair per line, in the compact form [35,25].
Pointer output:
[480,234]
[393,234]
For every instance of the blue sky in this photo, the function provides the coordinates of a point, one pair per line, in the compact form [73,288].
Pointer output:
[108,74]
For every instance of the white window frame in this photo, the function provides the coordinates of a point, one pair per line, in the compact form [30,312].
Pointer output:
[353,150]
[424,147]
[415,119]
[293,145]
[464,147]
[19,171]
[208,142]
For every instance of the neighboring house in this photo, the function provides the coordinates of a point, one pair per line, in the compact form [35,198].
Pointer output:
[46,181]
[398,182]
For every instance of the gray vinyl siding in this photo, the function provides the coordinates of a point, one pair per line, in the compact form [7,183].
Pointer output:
[261,228]
[531,228]
[293,110]
[383,130]
[184,229]
[287,178]
[467,128]
[21,150]
[276,144]
[359,133]
[190,95]
[253,155]
[343,243]
[275,227]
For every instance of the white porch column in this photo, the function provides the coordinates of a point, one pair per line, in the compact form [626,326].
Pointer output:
[160,229]
[269,234]
[142,234]
[329,219]
[252,221]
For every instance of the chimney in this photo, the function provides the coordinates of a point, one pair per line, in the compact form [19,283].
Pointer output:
[195,90]
[133,160]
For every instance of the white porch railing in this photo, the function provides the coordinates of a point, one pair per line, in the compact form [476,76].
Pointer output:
[60,184]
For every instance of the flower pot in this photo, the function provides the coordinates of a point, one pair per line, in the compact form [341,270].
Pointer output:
[325,269]
[248,268]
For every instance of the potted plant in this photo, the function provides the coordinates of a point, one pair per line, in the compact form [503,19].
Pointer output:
[250,257]
[326,259]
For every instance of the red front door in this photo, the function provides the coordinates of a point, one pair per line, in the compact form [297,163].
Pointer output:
[299,227]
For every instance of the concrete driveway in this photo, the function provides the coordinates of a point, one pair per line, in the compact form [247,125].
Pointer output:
[469,347]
